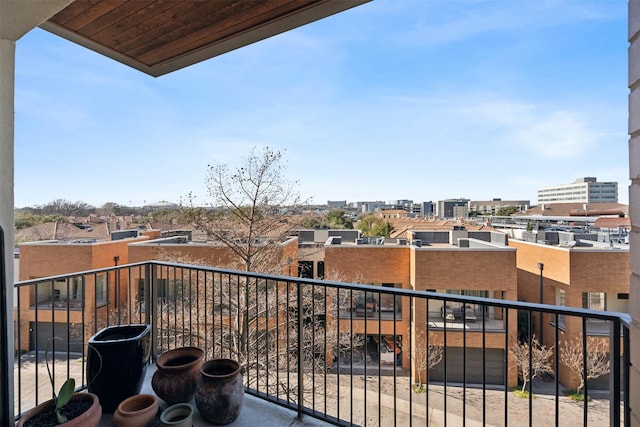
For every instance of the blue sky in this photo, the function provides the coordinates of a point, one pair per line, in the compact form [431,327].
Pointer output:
[410,99]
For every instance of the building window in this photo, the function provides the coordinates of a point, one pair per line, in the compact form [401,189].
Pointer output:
[101,288]
[167,289]
[560,300]
[320,269]
[60,293]
[371,304]
[470,312]
[594,301]
[305,269]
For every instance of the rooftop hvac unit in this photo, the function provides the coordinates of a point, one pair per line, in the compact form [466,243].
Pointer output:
[402,242]
[359,241]
[417,243]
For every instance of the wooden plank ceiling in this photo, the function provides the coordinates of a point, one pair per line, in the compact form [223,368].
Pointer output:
[160,36]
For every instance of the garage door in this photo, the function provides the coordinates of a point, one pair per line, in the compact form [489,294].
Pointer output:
[45,332]
[494,366]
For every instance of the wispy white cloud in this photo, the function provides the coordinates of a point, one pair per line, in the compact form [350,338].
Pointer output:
[543,131]
[456,20]
[556,135]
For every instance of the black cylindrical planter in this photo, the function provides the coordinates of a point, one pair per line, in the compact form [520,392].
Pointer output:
[117,359]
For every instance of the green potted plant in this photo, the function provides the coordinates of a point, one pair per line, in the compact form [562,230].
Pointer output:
[67,408]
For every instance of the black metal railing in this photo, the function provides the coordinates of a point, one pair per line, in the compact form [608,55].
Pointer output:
[327,350]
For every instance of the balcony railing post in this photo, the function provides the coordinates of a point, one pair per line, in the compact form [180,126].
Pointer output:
[150,305]
[300,351]
[614,373]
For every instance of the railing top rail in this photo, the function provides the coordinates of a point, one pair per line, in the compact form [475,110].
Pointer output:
[624,318]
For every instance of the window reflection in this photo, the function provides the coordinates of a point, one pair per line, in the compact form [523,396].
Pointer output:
[371,304]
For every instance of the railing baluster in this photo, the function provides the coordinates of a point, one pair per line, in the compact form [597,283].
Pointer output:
[444,360]
[464,365]
[505,319]
[614,377]
[484,370]
[557,365]
[626,347]
[530,341]
[584,372]
[300,350]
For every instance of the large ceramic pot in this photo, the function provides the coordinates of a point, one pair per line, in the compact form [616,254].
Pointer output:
[83,410]
[220,393]
[136,411]
[117,359]
[177,374]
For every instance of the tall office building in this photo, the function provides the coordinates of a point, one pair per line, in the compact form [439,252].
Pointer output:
[583,190]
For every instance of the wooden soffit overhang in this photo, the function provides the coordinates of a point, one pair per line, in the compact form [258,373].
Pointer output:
[161,36]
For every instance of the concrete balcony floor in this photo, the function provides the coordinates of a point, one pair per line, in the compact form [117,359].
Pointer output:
[254,412]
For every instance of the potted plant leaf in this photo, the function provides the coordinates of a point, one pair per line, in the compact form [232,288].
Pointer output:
[67,408]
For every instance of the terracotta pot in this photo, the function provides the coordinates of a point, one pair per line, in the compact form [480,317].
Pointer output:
[178,415]
[136,411]
[220,393]
[89,418]
[117,360]
[177,374]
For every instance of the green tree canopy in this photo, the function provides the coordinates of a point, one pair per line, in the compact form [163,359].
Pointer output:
[339,219]
[507,211]
[26,219]
[372,226]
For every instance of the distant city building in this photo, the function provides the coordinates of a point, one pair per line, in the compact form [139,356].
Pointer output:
[336,204]
[162,205]
[490,207]
[414,209]
[367,207]
[452,208]
[583,190]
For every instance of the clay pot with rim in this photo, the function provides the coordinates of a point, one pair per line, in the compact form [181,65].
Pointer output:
[89,418]
[220,393]
[178,415]
[136,411]
[177,374]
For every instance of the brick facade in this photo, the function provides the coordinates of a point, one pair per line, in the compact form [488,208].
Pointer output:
[429,268]
[575,271]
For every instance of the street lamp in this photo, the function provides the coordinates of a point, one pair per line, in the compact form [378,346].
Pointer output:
[541,267]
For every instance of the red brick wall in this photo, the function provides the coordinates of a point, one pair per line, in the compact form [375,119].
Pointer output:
[575,270]
[367,264]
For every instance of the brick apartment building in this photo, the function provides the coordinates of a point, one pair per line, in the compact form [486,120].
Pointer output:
[595,277]
[457,261]
[52,258]
[468,266]
[89,297]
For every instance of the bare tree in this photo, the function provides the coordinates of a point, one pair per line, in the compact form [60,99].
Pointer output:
[425,354]
[533,360]
[597,358]
[253,207]
[254,321]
